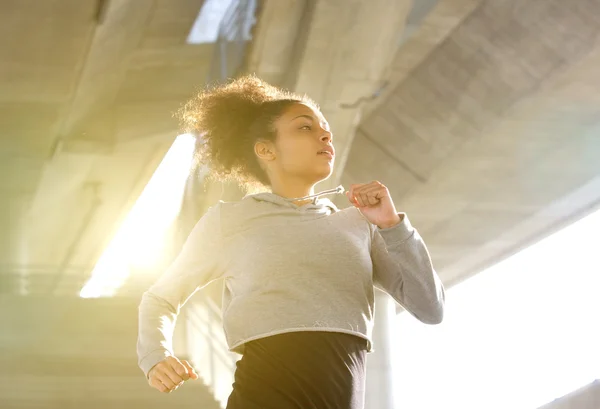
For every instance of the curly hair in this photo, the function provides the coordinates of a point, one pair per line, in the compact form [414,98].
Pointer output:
[229,119]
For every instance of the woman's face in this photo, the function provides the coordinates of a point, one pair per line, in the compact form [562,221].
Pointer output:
[303,148]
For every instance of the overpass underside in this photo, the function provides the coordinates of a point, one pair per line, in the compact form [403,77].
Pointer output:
[482,117]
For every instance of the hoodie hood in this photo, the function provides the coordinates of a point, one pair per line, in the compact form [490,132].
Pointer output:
[318,204]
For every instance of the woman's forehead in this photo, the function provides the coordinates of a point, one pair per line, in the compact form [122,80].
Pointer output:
[300,109]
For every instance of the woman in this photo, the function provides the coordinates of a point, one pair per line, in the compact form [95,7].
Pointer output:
[298,273]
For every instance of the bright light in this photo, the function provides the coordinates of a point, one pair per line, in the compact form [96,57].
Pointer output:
[206,26]
[140,240]
[518,335]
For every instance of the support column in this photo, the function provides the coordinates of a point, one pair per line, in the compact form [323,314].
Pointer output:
[336,51]
[380,387]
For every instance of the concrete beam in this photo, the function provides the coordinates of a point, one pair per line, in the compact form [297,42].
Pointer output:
[349,45]
[333,50]
[550,219]
[484,138]
[274,39]
[426,37]
[118,33]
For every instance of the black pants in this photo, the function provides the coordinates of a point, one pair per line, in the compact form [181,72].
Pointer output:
[301,370]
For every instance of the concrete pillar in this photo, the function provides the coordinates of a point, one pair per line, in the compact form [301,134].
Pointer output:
[379,387]
[336,51]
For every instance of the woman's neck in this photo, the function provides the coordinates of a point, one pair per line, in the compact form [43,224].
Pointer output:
[291,190]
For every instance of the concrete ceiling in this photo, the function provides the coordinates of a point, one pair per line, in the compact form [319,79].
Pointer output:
[586,397]
[487,132]
[492,129]
[336,51]
[87,92]
[481,116]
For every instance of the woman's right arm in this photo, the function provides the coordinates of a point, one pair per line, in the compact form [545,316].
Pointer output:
[197,265]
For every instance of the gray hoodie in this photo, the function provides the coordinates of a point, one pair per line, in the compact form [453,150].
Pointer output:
[290,268]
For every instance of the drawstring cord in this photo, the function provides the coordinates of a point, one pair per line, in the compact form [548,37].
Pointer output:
[339,189]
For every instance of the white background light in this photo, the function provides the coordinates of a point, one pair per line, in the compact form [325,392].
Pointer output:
[518,335]
[140,240]
[206,26]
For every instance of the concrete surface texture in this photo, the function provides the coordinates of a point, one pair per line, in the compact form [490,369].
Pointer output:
[481,116]
[486,133]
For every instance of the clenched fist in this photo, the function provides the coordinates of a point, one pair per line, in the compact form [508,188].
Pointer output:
[373,200]
[170,373]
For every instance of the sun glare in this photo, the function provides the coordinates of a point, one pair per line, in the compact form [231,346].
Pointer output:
[140,240]
[518,335]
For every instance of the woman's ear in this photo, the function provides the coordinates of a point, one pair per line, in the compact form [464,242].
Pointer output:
[264,150]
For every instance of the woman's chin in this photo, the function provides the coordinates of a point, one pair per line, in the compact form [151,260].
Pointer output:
[326,172]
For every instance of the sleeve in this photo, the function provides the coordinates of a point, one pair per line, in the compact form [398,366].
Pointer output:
[402,268]
[196,266]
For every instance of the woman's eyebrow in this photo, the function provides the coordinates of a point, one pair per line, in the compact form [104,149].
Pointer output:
[304,116]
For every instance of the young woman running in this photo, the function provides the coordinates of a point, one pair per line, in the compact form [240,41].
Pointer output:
[299,274]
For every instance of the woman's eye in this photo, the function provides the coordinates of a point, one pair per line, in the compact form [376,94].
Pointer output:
[307,127]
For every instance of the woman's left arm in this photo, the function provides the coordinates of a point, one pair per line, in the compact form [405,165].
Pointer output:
[402,268]
[401,263]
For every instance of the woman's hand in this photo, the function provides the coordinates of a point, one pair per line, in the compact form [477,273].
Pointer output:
[374,202]
[170,373]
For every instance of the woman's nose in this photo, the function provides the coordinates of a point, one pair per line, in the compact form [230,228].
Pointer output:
[327,137]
